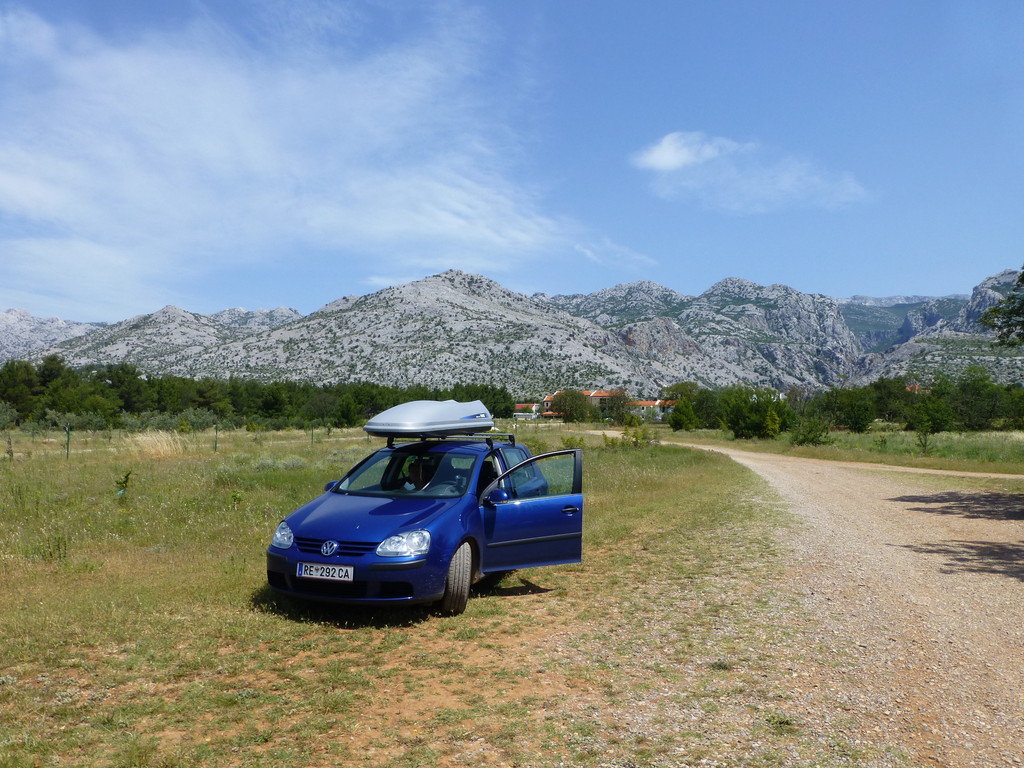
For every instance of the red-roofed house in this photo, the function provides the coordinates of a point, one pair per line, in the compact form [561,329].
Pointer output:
[526,411]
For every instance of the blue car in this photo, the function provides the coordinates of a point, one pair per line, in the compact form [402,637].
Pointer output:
[421,521]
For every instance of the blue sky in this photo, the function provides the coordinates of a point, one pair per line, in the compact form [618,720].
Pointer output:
[262,154]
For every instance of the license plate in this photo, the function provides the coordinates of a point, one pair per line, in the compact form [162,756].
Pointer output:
[326,572]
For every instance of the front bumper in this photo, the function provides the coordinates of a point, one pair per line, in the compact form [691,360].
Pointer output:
[377,582]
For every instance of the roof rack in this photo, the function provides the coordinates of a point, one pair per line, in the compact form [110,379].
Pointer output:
[487,437]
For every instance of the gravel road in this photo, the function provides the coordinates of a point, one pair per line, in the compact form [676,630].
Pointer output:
[917,588]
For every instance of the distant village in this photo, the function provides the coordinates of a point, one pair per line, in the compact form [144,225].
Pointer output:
[649,410]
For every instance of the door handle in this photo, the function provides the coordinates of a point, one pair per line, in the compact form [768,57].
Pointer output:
[570,510]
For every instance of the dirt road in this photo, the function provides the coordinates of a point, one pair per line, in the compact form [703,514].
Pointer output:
[925,583]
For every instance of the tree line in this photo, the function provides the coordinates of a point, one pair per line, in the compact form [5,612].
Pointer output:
[972,401]
[120,396]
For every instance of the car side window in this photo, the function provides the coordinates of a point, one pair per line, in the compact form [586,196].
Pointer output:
[557,474]
[549,475]
[488,471]
[513,455]
[526,482]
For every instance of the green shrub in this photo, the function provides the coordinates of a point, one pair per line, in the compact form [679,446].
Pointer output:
[811,430]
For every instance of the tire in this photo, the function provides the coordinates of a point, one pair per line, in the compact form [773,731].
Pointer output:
[460,577]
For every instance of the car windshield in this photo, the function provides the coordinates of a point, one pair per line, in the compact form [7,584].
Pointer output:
[414,473]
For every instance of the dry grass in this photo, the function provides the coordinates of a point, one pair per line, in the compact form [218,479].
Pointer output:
[156,444]
[136,629]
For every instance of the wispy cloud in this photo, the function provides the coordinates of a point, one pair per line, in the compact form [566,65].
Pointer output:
[741,177]
[605,253]
[185,149]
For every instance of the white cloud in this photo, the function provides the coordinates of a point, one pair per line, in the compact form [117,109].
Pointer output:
[192,148]
[682,149]
[741,177]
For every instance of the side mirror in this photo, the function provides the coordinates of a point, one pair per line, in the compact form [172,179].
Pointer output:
[496,496]
[330,485]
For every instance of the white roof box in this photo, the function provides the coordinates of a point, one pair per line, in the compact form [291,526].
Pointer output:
[431,418]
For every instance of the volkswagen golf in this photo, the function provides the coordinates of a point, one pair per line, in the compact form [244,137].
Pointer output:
[445,503]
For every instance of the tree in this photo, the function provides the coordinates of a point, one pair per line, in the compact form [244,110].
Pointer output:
[683,390]
[750,412]
[19,386]
[347,412]
[1013,403]
[854,408]
[892,398]
[320,407]
[799,400]
[213,395]
[8,415]
[50,369]
[929,414]
[683,416]
[573,406]
[978,401]
[73,394]
[130,385]
[175,394]
[704,404]
[617,406]
[1007,317]
[707,406]
[275,402]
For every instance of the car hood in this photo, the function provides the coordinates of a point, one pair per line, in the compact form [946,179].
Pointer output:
[364,518]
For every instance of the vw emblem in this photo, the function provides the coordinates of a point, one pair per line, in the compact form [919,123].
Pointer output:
[328,548]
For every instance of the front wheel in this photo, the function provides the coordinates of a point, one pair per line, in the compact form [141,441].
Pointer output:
[460,577]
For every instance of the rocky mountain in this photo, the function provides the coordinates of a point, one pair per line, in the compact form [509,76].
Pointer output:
[433,332]
[167,339]
[940,341]
[989,293]
[894,301]
[245,321]
[639,336]
[879,326]
[736,331]
[627,303]
[21,334]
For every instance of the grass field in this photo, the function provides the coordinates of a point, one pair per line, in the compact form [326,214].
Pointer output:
[136,628]
[967,451]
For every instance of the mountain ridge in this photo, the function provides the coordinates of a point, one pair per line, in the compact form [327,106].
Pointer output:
[460,327]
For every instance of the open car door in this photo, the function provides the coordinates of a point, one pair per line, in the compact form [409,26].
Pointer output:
[533,513]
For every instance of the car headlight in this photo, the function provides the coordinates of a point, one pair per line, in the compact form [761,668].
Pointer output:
[283,537]
[405,544]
